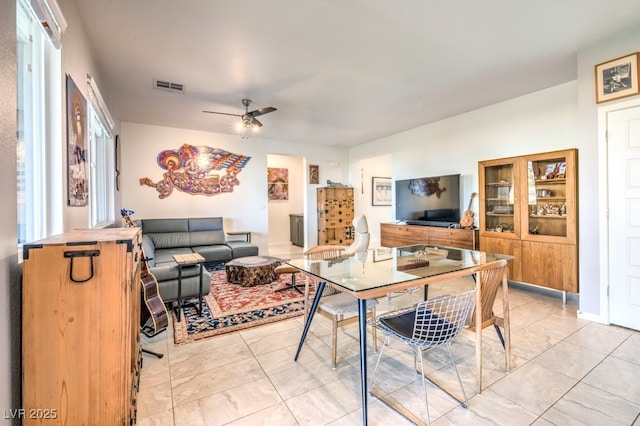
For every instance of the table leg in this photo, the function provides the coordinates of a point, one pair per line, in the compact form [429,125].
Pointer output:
[179,308]
[478,331]
[200,290]
[362,320]
[314,306]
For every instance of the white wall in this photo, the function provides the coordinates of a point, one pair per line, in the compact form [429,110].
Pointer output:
[592,173]
[246,208]
[539,122]
[362,172]
[279,210]
[77,61]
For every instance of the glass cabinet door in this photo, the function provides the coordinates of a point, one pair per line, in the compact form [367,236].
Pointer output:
[499,214]
[547,197]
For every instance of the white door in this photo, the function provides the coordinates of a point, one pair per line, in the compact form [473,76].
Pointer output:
[623,129]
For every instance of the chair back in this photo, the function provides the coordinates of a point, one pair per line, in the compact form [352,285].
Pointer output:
[324,252]
[362,236]
[439,320]
[489,276]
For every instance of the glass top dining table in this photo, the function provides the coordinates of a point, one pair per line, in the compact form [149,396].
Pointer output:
[377,272]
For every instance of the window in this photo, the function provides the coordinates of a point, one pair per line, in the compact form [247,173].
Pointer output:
[101,159]
[39,145]
[101,174]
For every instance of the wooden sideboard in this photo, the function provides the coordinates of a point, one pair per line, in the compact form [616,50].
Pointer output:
[81,353]
[395,235]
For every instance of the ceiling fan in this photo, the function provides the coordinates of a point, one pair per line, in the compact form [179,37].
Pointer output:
[249,119]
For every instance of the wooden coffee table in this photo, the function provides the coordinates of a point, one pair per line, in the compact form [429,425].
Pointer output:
[252,270]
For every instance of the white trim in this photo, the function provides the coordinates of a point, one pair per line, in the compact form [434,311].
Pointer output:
[97,101]
[51,18]
[591,317]
[603,205]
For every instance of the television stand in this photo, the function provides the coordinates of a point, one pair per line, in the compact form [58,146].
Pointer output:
[395,235]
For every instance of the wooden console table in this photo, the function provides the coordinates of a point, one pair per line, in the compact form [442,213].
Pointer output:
[395,235]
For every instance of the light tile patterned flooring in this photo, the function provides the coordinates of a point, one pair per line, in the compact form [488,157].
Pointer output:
[566,371]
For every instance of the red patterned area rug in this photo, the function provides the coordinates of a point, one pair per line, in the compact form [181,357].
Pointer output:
[231,307]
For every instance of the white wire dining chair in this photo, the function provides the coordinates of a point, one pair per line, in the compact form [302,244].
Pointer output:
[432,323]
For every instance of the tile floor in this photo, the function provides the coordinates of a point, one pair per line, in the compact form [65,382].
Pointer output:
[566,371]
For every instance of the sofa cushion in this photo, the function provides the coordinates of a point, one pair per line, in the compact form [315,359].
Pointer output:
[242,249]
[168,240]
[149,250]
[206,224]
[169,271]
[214,253]
[164,225]
[166,255]
[190,286]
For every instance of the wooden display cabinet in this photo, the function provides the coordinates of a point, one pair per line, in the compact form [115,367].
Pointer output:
[335,207]
[528,209]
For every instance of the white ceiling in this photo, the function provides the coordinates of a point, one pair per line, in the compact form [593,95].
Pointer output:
[340,73]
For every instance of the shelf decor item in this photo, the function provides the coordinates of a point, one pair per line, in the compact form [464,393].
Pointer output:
[617,78]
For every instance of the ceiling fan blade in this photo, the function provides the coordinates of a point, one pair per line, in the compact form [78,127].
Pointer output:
[223,113]
[255,122]
[262,111]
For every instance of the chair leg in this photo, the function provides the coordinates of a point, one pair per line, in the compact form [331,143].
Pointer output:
[424,382]
[453,363]
[334,343]
[293,285]
[375,370]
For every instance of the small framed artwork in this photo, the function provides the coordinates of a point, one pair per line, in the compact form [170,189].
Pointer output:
[617,78]
[381,191]
[278,183]
[314,174]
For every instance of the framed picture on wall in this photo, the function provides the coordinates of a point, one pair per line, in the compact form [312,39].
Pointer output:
[617,78]
[77,176]
[314,174]
[381,191]
[278,183]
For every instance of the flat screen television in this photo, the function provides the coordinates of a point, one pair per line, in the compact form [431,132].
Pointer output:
[433,201]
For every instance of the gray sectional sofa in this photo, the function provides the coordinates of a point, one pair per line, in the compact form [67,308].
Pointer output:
[163,238]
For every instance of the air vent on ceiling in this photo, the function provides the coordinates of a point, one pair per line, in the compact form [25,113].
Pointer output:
[171,87]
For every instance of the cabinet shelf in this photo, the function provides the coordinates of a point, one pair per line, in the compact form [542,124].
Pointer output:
[547,216]
[542,199]
[556,181]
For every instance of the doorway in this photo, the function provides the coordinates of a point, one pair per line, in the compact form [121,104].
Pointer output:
[623,187]
[281,207]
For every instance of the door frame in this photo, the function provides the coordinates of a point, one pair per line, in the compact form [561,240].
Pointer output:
[603,203]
